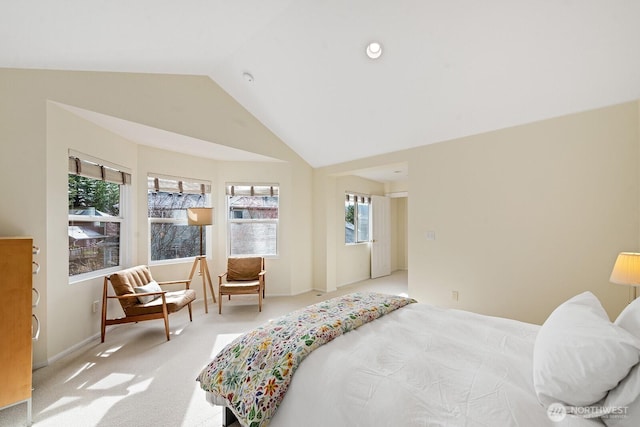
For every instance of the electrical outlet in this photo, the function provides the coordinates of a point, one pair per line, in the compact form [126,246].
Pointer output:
[94,307]
[454,295]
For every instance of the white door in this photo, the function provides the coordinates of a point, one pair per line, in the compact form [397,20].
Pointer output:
[381,236]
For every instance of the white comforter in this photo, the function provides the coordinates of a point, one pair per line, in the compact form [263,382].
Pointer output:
[421,366]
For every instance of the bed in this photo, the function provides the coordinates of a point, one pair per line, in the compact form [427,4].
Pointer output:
[412,364]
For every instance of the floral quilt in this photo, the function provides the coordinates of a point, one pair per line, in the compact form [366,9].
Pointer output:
[252,373]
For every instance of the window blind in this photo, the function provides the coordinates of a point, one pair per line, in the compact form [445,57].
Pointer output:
[252,190]
[177,185]
[357,198]
[89,169]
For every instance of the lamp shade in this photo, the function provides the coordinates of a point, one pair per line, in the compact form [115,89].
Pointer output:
[626,270]
[200,216]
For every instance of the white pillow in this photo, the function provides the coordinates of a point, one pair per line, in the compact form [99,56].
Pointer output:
[579,355]
[149,287]
[626,396]
[629,319]
[623,402]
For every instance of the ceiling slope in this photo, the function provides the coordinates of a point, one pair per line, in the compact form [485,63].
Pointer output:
[448,69]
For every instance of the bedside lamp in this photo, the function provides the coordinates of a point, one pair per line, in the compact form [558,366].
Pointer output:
[626,271]
[201,217]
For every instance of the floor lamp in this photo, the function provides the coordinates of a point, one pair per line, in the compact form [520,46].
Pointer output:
[201,217]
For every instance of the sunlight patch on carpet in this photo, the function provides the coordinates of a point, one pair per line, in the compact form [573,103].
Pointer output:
[85,367]
[60,403]
[140,387]
[111,381]
[221,342]
[108,352]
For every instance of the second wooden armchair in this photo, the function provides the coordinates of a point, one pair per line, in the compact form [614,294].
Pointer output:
[243,276]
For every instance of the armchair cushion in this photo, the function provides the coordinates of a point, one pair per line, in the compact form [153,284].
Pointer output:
[124,281]
[241,269]
[175,301]
[240,284]
[149,287]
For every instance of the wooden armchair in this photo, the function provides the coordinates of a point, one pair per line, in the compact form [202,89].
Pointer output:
[243,276]
[142,298]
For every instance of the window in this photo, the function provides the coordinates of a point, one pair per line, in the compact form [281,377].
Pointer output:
[253,219]
[168,199]
[96,220]
[356,218]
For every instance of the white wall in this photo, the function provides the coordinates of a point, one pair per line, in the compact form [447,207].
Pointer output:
[336,263]
[70,319]
[353,261]
[398,191]
[291,237]
[524,217]
[399,234]
[22,165]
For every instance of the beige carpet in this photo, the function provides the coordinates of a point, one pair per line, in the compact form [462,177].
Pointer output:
[137,378]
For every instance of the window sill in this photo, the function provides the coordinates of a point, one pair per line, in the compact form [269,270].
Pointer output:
[357,243]
[85,277]
[173,261]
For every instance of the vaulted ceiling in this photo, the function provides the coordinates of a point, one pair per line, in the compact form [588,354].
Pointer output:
[448,68]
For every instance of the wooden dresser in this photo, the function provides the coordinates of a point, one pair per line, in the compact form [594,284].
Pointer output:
[16,273]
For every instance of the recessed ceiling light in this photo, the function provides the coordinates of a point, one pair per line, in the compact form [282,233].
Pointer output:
[247,76]
[374,50]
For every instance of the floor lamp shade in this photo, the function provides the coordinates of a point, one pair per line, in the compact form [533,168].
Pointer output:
[200,216]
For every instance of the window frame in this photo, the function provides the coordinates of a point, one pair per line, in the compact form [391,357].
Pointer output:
[229,192]
[103,271]
[357,199]
[181,186]
[110,173]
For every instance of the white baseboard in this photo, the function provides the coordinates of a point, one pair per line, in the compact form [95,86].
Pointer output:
[67,351]
[289,295]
